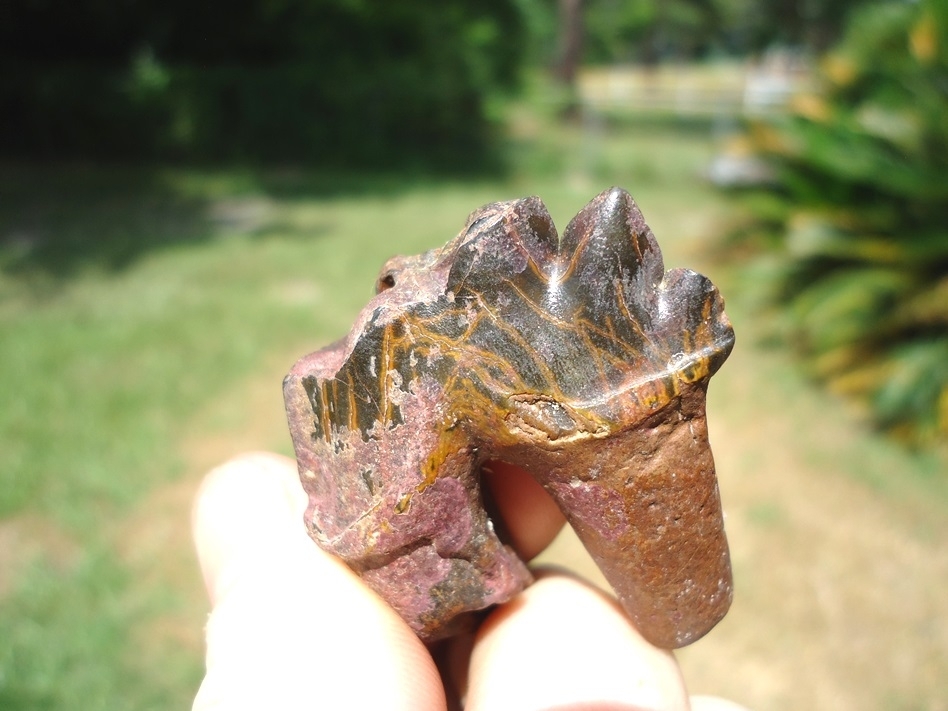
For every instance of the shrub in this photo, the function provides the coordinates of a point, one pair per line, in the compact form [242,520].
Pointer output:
[859,216]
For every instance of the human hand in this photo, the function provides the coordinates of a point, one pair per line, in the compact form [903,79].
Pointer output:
[293,628]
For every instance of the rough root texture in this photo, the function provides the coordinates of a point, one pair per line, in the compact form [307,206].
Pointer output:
[578,359]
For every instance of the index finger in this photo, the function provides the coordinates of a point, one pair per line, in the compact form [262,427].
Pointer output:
[529,518]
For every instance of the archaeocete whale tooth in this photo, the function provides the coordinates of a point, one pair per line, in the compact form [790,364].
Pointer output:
[576,358]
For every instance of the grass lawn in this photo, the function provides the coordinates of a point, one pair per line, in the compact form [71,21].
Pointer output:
[148,317]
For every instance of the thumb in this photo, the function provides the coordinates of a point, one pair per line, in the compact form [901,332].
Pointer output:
[292,627]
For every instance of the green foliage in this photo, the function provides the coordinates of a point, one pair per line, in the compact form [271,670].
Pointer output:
[652,30]
[649,31]
[344,82]
[863,179]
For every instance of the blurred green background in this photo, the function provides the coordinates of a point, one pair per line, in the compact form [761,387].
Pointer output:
[191,197]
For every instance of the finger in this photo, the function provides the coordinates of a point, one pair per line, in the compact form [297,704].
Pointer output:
[291,626]
[563,645]
[530,519]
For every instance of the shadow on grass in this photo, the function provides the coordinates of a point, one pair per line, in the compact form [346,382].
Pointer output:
[58,221]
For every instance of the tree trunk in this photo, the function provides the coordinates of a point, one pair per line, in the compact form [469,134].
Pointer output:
[570,53]
[571,41]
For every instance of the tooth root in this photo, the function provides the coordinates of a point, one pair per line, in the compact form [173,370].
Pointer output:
[654,524]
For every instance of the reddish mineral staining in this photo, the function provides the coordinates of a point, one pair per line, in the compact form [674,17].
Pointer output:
[578,359]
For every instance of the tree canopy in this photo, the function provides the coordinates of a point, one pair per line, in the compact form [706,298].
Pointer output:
[339,81]
[651,30]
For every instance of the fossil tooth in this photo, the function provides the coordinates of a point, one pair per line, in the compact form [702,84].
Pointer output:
[578,359]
